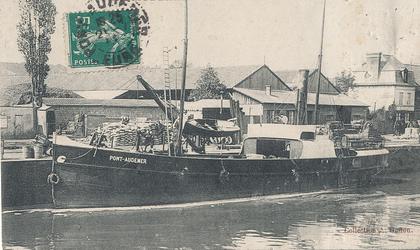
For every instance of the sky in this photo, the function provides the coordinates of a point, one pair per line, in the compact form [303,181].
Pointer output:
[284,34]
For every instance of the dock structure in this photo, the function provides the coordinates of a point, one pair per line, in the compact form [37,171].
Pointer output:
[24,182]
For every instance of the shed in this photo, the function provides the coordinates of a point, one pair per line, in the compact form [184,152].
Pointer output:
[99,111]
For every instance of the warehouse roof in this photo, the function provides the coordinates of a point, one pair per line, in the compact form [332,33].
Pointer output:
[289,97]
[293,79]
[103,94]
[122,78]
[97,102]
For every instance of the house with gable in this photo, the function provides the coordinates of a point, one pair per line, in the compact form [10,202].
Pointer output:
[383,81]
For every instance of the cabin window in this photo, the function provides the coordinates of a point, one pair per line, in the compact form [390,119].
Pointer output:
[271,148]
[307,136]
[275,148]
[257,119]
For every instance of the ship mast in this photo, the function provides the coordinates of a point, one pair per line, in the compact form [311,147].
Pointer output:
[319,68]
[178,149]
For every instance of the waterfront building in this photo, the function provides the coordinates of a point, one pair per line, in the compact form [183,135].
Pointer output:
[264,96]
[383,81]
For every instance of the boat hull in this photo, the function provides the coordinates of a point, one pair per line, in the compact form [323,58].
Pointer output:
[96,177]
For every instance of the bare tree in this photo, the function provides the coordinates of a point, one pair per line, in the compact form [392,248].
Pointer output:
[35,27]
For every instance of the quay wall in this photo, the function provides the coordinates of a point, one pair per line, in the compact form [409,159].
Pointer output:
[402,158]
[24,182]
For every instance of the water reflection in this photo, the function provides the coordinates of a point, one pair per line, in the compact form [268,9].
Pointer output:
[355,219]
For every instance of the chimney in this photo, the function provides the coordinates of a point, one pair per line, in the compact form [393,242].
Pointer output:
[374,64]
[301,109]
[268,89]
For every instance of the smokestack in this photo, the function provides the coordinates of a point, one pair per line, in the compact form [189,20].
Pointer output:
[303,97]
[268,89]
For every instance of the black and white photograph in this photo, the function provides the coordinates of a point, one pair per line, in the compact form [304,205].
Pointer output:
[210,124]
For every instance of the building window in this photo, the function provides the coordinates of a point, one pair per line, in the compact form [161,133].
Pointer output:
[404,74]
[3,121]
[400,101]
[408,98]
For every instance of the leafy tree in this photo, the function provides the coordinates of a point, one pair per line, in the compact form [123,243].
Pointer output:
[344,81]
[209,86]
[35,27]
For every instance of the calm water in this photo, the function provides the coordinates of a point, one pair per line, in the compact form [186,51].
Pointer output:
[386,216]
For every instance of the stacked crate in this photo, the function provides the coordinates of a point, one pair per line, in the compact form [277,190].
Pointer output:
[120,135]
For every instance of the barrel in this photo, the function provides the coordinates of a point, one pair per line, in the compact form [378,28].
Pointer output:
[38,151]
[27,152]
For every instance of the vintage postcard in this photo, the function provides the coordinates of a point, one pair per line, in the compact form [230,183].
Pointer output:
[210,124]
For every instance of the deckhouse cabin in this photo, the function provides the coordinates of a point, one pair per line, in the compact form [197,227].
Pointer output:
[286,141]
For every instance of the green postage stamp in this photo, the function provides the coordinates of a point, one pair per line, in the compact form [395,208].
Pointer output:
[107,39]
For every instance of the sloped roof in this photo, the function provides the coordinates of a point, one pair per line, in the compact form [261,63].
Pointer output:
[416,72]
[364,76]
[292,78]
[97,102]
[392,64]
[289,97]
[286,97]
[120,79]
[103,94]
[15,73]
[255,74]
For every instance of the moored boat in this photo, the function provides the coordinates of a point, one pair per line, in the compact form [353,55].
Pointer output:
[274,159]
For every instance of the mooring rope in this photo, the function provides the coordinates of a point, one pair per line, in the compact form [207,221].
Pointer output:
[83,154]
